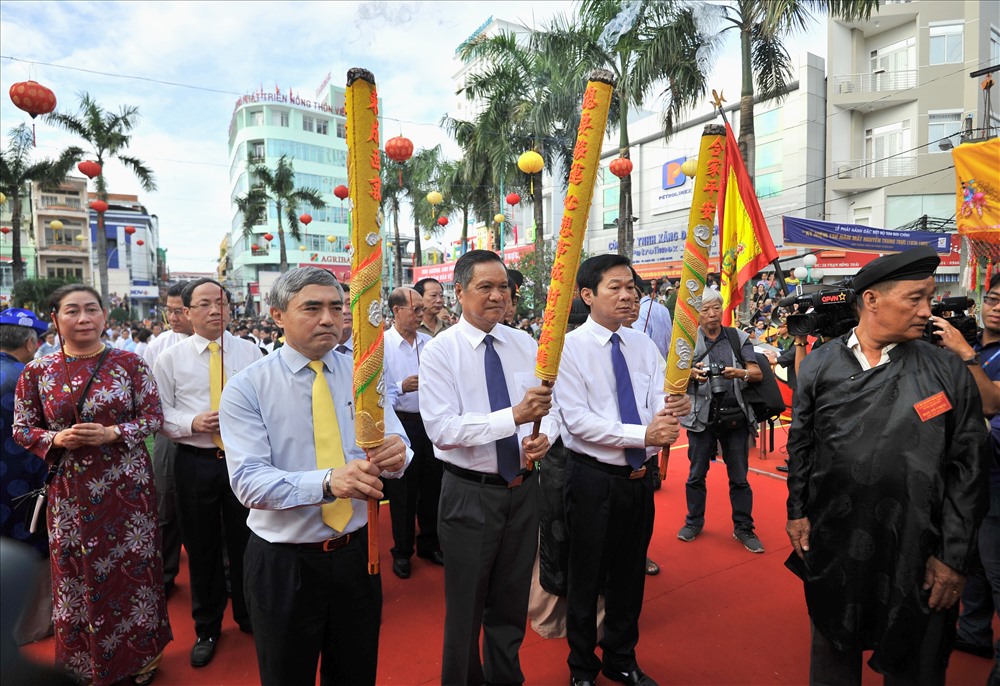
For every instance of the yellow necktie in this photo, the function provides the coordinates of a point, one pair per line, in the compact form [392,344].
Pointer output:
[329,449]
[215,384]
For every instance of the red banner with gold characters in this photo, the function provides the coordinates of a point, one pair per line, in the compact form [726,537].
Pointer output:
[576,209]
[977,186]
[701,221]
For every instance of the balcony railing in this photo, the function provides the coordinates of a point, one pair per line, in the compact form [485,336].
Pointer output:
[874,83]
[864,169]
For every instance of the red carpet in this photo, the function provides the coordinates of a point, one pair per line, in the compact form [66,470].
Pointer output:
[716,614]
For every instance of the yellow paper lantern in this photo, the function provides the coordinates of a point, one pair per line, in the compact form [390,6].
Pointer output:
[499,218]
[690,167]
[80,237]
[3,198]
[330,239]
[435,198]
[530,163]
[302,248]
[427,236]
[56,224]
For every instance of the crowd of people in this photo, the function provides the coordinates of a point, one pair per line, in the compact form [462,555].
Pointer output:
[257,472]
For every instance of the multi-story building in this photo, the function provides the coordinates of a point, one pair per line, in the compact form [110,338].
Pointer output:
[133,240]
[63,252]
[899,99]
[311,133]
[28,257]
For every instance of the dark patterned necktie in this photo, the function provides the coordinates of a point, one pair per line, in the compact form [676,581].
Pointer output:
[627,410]
[508,452]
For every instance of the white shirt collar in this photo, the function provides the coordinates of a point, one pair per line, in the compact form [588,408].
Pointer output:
[475,335]
[855,345]
[602,334]
[200,342]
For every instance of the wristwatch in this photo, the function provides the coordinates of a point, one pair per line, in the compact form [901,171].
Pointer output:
[975,359]
[118,431]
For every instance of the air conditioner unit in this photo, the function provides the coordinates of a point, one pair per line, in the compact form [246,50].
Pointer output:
[847,87]
[843,171]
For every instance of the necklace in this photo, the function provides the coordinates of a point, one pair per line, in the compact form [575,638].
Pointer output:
[88,356]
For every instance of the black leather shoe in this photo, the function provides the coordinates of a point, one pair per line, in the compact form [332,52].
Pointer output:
[635,678]
[437,557]
[401,568]
[203,651]
[573,681]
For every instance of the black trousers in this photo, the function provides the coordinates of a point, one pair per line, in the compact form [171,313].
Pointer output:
[164,454]
[210,516]
[413,498]
[609,519]
[489,535]
[831,667]
[310,605]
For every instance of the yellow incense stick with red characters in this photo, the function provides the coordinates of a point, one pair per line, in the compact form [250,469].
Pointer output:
[365,183]
[701,221]
[576,209]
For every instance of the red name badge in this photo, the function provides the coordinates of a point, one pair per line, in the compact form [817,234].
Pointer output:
[933,406]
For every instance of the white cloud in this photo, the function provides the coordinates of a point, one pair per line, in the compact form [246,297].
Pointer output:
[234,47]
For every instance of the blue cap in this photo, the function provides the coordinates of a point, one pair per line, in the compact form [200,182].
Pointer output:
[17,316]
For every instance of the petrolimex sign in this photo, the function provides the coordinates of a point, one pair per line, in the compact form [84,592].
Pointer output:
[675,192]
[673,177]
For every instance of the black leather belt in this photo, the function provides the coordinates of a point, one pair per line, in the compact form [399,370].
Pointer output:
[211,453]
[613,469]
[487,479]
[331,544]
[411,416]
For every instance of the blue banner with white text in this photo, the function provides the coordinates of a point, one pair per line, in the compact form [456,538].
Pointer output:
[815,233]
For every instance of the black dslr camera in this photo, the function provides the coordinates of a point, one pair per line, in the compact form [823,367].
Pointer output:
[963,322]
[716,382]
[827,313]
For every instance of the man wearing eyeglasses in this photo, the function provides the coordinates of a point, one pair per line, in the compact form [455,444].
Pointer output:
[981,598]
[413,498]
[190,377]
[165,450]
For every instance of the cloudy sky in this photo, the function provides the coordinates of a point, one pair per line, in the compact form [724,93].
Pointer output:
[191,60]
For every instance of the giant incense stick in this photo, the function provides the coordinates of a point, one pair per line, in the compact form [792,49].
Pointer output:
[365,183]
[576,210]
[701,221]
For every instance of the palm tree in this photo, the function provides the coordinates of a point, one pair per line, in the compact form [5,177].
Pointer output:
[393,193]
[424,176]
[109,135]
[462,196]
[17,172]
[482,159]
[765,62]
[647,45]
[275,186]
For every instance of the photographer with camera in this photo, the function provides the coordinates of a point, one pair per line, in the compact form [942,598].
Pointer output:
[887,484]
[719,414]
[981,598]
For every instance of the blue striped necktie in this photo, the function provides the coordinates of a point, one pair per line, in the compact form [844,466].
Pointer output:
[508,451]
[627,410]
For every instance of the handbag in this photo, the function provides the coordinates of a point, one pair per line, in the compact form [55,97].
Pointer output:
[729,418]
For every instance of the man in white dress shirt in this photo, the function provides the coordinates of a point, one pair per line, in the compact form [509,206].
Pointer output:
[309,592]
[413,499]
[614,420]
[165,450]
[190,376]
[479,400]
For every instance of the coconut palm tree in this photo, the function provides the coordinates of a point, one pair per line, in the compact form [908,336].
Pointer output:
[462,196]
[649,45]
[393,194]
[17,172]
[425,175]
[765,63]
[275,187]
[109,135]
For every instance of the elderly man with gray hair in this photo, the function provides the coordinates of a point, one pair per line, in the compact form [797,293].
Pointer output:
[287,422]
[720,415]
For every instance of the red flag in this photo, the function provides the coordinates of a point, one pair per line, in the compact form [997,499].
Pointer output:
[745,242]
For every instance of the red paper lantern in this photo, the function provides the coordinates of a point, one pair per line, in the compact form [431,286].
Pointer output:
[5,230]
[89,168]
[99,206]
[341,192]
[140,242]
[33,98]
[621,166]
[305,218]
[268,237]
[513,198]
[442,221]
[399,149]
[255,247]
[129,230]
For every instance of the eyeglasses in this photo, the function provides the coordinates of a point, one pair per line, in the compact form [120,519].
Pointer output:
[991,301]
[175,312]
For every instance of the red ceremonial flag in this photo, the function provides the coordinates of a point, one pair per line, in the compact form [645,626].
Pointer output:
[745,243]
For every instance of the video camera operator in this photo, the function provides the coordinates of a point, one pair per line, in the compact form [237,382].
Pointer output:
[981,598]
[719,414]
